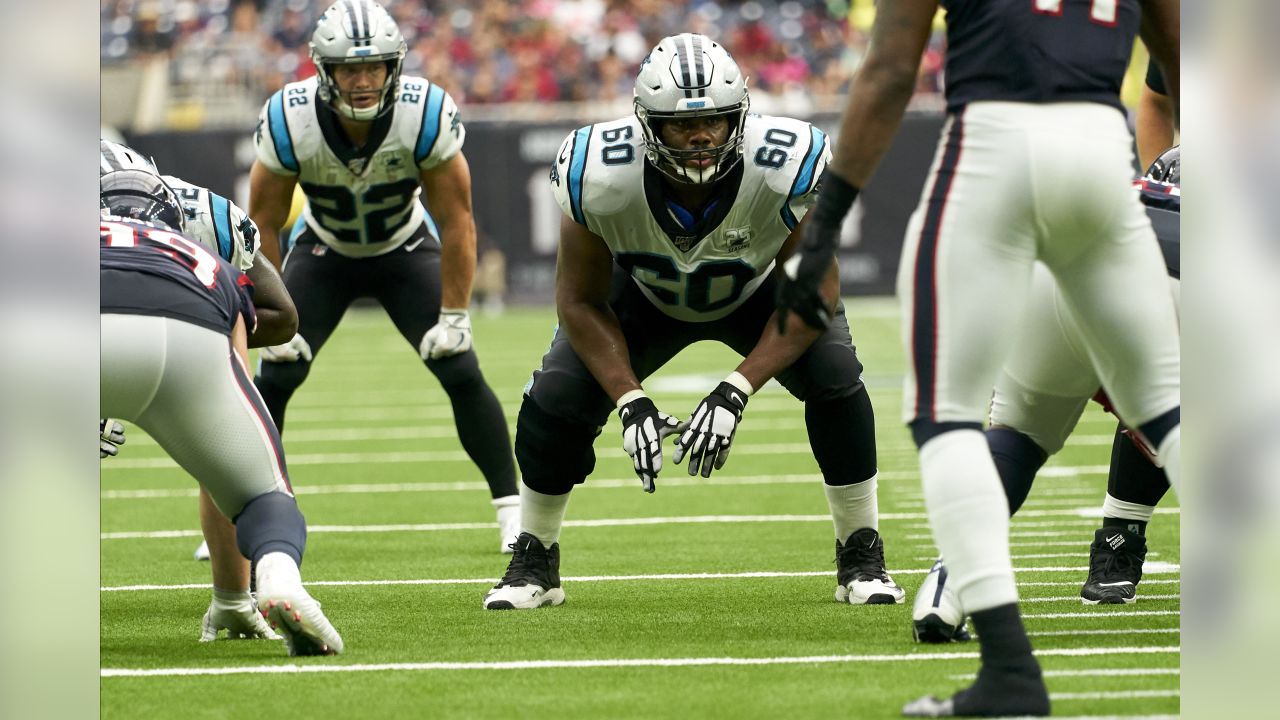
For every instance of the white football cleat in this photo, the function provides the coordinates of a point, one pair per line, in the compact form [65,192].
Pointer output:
[508,509]
[287,606]
[938,616]
[202,552]
[236,613]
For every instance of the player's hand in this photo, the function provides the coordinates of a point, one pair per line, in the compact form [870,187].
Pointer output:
[237,613]
[292,351]
[110,437]
[643,430]
[799,285]
[450,336]
[710,431]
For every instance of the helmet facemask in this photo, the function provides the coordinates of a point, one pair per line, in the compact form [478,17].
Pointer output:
[330,93]
[675,163]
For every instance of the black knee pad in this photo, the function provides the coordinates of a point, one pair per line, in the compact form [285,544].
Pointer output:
[269,523]
[1017,459]
[457,371]
[825,373]
[554,453]
[842,433]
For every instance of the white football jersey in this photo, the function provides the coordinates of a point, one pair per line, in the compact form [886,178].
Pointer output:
[367,206]
[701,273]
[217,223]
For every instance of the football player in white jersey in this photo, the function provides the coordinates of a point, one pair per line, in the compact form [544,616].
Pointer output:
[675,219]
[222,227]
[363,142]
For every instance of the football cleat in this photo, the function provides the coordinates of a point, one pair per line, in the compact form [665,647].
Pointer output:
[508,509]
[202,552]
[938,616]
[532,579]
[238,615]
[287,606]
[860,572]
[1115,567]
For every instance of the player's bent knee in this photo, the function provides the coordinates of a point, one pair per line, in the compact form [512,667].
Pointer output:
[554,453]
[457,371]
[1047,419]
[271,522]
[282,376]
[827,373]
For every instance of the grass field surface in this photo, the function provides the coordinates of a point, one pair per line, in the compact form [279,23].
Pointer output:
[709,598]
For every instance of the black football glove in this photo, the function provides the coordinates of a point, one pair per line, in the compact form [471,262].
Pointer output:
[643,430]
[710,431]
[802,274]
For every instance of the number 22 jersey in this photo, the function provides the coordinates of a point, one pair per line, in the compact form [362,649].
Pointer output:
[360,203]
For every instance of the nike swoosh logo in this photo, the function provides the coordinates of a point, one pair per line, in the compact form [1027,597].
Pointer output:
[563,156]
[737,398]
[414,244]
[625,413]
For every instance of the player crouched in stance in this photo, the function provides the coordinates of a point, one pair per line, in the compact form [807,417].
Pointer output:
[364,143]
[675,220]
[175,319]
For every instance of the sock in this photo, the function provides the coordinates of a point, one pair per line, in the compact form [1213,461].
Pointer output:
[542,515]
[969,516]
[1129,516]
[853,507]
[276,569]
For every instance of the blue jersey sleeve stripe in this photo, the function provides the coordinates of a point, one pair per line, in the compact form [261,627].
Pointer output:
[577,169]
[429,131]
[280,132]
[221,210]
[804,180]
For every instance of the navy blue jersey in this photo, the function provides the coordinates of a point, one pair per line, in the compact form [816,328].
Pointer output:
[1038,51]
[1164,207]
[149,270]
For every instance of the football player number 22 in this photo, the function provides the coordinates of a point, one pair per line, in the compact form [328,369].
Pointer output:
[384,209]
[201,262]
[1103,11]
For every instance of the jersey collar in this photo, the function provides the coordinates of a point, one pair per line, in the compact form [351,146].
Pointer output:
[657,192]
[356,159]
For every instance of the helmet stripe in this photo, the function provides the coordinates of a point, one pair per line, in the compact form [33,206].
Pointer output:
[699,78]
[682,52]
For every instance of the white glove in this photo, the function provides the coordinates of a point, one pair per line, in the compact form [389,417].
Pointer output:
[110,437]
[643,430]
[450,336]
[711,429]
[292,351]
[237,613]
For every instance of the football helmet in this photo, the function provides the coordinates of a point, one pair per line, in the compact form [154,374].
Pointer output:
[1168,167]
[688,76]
[357,31]
[115,156]
[141,195]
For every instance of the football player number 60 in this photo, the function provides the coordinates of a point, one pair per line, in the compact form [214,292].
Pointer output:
[1103,11]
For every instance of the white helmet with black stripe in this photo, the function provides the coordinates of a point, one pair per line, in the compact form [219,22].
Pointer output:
[357,31]
[115,156]
[688,76]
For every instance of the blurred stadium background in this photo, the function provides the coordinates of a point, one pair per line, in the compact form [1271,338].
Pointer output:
[183,81]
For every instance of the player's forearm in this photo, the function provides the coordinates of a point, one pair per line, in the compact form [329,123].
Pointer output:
[277,316]
[270,234]
[871,119]
[457,262]
[775,353]
[1154,129]
[597,338]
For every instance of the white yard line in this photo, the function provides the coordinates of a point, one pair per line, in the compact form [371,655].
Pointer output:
[603,522]
[1115,695]
[1076,598]
[1100,614]
[593,578]
[609,663]
[1128,631]
[1095,672]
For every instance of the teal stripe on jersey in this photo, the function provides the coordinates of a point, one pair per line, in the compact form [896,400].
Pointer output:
[430,129]
[221,224]
[280,132]
[578,168]
[804,180]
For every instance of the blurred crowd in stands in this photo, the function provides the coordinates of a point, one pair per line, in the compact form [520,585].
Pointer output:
[498,51]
